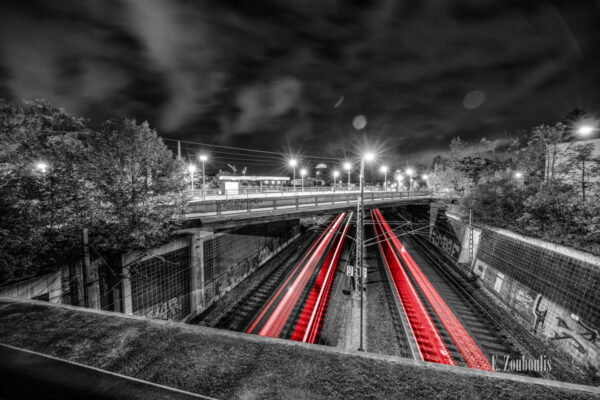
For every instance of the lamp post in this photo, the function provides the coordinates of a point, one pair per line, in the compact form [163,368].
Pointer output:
[348,167]
[203,158]
[191,170]
[360,238]
[409,172]
[336,173]
[384,169]
[293,164]
[302,173]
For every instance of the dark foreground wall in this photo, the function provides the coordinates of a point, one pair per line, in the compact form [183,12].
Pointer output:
[552,290]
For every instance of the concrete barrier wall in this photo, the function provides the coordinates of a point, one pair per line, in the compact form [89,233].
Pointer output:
[552,290]
[175,281]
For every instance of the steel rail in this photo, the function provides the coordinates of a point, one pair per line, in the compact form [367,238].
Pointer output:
[431,344]
[465,344]
[323,285]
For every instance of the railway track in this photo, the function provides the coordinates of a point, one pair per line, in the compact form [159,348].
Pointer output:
[477,323]
[485,328]
[240,316]
[297,307]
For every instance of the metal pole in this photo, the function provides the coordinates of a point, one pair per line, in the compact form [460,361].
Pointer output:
[409,182]
[385,181]
[192,172]
[348,180]
[294,179]
[203,183]
[179,150]
[361,245]
[86,267]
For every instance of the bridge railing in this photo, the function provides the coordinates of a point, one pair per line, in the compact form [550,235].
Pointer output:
[237,205]
[222,194]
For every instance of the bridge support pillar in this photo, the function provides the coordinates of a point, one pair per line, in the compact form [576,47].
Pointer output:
[198,298]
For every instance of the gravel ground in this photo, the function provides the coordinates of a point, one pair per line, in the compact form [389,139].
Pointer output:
[382,337]
[335,320]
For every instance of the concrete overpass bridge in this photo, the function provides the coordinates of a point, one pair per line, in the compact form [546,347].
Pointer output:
[227,213]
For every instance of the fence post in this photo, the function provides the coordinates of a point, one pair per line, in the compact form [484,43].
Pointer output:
[248,208]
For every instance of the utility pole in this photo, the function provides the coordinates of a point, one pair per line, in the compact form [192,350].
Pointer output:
[360,245]
[179,150]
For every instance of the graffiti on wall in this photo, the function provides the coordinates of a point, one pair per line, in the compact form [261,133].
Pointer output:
[450,246]
[584,338]
[267,251]
[167,310]
[524,302]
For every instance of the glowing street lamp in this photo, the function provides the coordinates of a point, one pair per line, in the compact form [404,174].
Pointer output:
[203,158]
[302,173]
[585,130]
[399,178]
[409,172]
[384,170]
[293,163]
[348,168]
[336,173]
[518,175]
[42,167]
[191,169]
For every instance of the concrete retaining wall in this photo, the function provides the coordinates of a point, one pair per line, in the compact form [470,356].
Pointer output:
[552,290]
[176,281]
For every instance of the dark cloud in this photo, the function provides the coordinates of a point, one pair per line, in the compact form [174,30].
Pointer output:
[272,73]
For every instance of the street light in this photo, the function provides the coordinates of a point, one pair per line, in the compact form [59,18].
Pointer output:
[302,173]
[293,163]
[409,172]
[518,175]
[336,173]
[384,169]
[585,130]
[348,168]
[361,238]
[203,158]
[42,167]
[192,168]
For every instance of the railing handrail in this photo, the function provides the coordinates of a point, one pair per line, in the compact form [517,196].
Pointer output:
[249,204]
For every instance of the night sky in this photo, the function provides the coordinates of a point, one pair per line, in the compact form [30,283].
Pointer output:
[293,74]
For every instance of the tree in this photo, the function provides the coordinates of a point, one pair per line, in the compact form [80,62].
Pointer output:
[38,209]
[121,183]
[580,162]
[138,186]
